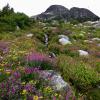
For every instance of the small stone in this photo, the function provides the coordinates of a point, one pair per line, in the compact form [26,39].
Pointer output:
[83,53]
[88,41]
[52,55]
[96,39]
[29,35]
[98,45]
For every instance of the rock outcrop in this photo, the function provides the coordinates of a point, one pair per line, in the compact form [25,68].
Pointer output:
[82,14]
[55,80]
[55,12]
[60,12]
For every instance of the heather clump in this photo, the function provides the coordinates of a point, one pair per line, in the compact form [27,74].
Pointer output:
[38,59]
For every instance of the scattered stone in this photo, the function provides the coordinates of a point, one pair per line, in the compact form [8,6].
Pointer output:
[1,58]
[55,80]
[96,39]
[98,45]
[88,41]
[63,36]
[17,28]
[46,39]
[29,35]
[64,40]
[89,33]
[96,24]
[80,24]
[83,53]
[52,55]
[75,25]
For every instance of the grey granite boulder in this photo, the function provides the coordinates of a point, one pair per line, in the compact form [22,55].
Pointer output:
[63,39]
[55,80]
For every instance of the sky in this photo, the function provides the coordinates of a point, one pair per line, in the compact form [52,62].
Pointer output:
[34,7]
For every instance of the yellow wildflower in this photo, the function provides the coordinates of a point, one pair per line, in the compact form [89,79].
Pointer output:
[56,94]
[24,92]
[31,81]
[35,97]
[59,95]
[8,73]
[23,83]
[48,90]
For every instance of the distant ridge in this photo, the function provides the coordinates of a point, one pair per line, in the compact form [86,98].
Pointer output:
[60,12]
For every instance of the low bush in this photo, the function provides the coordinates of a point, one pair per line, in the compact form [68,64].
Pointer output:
[40,60]
[81,75]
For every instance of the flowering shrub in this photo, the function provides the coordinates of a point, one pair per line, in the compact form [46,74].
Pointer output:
[40,60]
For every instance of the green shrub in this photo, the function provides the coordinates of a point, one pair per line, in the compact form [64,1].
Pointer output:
[94,94]
[9,20]
[82,76]
[56,48]
[3,76]
[97,67]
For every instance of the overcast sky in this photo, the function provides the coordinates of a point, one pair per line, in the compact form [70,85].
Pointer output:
[34,7]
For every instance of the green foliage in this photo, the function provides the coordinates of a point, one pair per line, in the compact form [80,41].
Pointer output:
[3,76]
[97,67]
[55,48]
[85,77]
[74,22]
[28,77]
[81,75]
[9,20]
[6,10]
[94,94]
[21,20]
[44,65]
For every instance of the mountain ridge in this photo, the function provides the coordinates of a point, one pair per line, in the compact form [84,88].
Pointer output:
[61,12]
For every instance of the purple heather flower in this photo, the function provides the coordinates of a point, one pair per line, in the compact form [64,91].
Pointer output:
[54,98]
[37,57]
[31,70]
[68,95]
[2,85]
[4,47]
[17,75]
[13,90]
[29,88]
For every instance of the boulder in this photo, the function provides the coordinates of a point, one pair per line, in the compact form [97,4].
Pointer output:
[88,41]
[55,80]
[83,53]
[96,39]
[63,36]
[29,35]
[64,40]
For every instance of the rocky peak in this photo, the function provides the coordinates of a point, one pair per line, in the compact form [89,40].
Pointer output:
[82,14]
[61,12]
[56,9]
